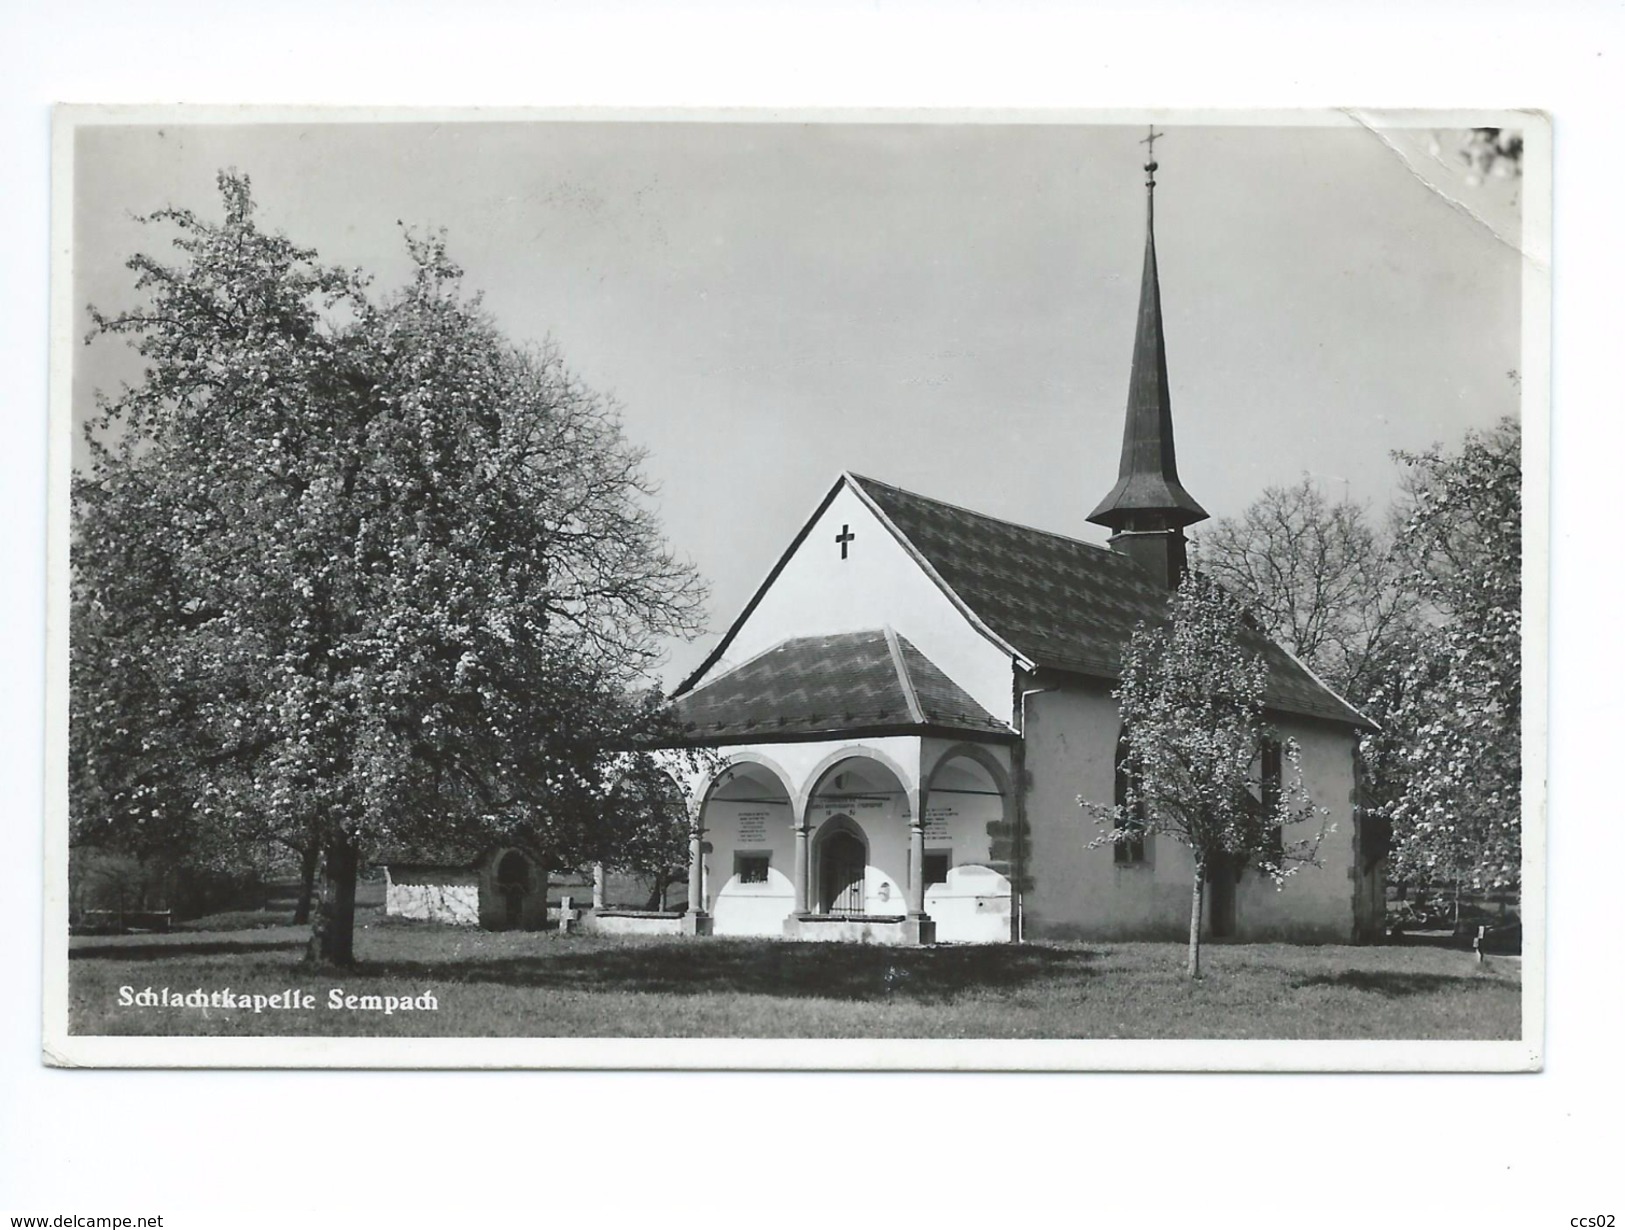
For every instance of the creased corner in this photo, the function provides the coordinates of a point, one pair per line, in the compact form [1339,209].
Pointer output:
[1513,241]
[53,1058]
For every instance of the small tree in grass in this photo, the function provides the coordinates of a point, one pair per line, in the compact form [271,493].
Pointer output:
[1194,732]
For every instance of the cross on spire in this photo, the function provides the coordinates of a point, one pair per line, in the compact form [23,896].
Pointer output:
[1150,143]
[1148,497]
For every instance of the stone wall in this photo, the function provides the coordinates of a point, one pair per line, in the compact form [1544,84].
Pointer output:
[464,896]
[594,922]
[852,930]
[432,894]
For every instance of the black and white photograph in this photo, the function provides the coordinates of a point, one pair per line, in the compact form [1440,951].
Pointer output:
[950,582]
[876,613]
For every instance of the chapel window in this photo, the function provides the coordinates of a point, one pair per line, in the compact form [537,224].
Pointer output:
[750,867]
[1269,778]
[1131,850]
[937,863]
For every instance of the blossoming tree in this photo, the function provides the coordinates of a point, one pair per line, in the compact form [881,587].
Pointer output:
[1194,729]
[352,569]
[1456,705]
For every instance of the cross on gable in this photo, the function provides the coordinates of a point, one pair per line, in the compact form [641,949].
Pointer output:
[845,536]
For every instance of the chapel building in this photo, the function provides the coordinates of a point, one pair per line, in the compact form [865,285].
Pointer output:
[915,699]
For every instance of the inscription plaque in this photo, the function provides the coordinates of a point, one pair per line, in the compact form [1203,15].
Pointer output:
[752,827]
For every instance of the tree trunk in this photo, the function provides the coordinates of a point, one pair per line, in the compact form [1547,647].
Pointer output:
[1193,962]
[308,862]
[332,935]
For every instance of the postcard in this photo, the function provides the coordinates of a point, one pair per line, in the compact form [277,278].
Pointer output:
[926,590]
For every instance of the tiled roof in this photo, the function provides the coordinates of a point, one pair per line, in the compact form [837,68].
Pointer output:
[873,681]
[444,852]
[1059,602]
[943,701]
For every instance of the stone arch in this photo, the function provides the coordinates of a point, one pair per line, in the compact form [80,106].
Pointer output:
[878,805]
[513,878]
[854,751]
[620,778]
[978,753]
[973,856]
[661,792]
[999,778]
[735,759]
[745,844]
[840,863]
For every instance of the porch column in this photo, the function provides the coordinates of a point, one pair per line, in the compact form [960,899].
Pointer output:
[696,921]
[916,865]
[801,869]
[918,927]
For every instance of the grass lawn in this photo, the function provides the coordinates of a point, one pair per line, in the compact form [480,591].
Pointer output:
[529,984]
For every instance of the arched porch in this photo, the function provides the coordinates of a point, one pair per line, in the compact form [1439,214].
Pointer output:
[858,843]
[886,840]
[971,857]
[746,850]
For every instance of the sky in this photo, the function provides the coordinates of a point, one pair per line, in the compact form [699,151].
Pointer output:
[948,307]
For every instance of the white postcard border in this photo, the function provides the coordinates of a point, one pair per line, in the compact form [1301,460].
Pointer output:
[61,1048]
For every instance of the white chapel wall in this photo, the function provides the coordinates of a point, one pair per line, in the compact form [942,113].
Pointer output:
[877,585]
[1081,892]
[1075,891]
[1317,903]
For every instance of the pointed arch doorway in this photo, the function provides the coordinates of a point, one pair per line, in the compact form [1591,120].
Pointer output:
[513,883]
[841,859]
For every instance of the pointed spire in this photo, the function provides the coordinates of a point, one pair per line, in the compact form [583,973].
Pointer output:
[1148,495]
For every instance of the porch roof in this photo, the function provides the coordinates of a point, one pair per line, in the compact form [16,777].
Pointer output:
[874,682]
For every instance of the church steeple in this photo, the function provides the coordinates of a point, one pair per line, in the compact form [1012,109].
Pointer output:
[1149,508]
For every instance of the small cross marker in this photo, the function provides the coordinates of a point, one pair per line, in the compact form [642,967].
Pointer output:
[845,536]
